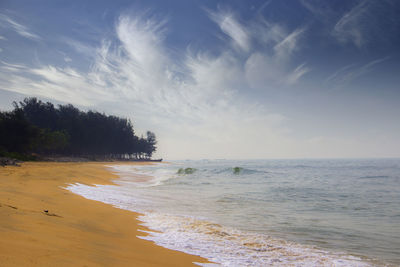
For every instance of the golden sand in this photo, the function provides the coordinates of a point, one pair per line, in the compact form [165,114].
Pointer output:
[74,231]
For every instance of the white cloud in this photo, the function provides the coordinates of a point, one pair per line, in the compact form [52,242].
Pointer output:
[80,47]
[231,27]
[289,44]
[351,72]
[62,84]
[313,7]
[67,59]
[141,39]
[265,50]
[22,30]
[348,28]
[337,74]
[297,73]
[367,22]
[273,68]
[12,67]
[263,71]
[268,33]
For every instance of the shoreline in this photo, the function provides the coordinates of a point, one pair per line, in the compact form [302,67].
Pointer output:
[206,235]
[42,223]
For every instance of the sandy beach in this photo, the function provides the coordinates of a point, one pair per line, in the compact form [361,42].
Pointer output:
[74,231]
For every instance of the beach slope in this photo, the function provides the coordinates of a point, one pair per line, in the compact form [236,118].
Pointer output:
[42,224]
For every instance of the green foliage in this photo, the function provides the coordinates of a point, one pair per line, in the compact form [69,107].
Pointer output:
[18,156]
[48,141]
[237,170]
[150,143]
[182,171]
[16,133]
[36,126]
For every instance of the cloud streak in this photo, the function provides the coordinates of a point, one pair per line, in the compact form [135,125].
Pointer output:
[349,28]
[349,73]
[297,73]
[289,44]
[231,27]
[20,29]
[365,23]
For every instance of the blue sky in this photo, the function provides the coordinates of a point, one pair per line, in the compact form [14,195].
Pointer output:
[217,79]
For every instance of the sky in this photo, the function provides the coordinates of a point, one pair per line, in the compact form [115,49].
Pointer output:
[217,79]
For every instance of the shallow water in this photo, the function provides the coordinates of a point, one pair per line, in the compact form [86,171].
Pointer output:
[267,212]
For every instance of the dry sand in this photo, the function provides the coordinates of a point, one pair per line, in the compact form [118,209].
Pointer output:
[75,231]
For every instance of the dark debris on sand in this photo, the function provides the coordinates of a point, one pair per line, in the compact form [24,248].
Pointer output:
[8,161]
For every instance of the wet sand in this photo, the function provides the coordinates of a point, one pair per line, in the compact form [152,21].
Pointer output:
[42,224]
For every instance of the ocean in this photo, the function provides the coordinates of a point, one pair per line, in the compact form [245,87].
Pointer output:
[337,212]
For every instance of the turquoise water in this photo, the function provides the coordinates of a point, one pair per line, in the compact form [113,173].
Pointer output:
[267,212]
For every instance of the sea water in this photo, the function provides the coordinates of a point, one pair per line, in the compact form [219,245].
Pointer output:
[266,212]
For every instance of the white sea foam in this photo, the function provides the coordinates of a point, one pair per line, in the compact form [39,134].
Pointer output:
[230,247]
[141,176]
[223,245]
[109,194]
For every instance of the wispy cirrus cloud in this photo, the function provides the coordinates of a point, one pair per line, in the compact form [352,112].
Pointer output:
[365,22]
[289,44]
[62,84]
[351,72]
[339,73]
[273,68]
[349,27]
[12,67]
[229,24]
[83,49]
[268,65]
[20,29]
[297,73]
[138,65]
[324,12]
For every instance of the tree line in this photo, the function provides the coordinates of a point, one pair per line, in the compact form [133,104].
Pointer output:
[36,127]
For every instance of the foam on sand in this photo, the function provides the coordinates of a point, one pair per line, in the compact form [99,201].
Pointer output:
[220,244]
